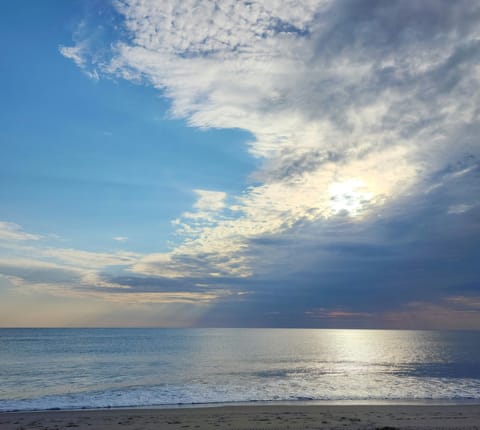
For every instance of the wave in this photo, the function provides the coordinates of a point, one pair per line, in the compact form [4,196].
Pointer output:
[191,395]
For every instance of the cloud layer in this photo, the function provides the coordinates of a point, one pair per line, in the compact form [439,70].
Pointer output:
[364,116]
[352,104]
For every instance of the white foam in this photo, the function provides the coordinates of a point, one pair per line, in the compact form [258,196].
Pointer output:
[273,390]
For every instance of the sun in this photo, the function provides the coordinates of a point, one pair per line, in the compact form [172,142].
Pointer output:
[349,197]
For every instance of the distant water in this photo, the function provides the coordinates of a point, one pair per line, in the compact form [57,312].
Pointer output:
[97,368]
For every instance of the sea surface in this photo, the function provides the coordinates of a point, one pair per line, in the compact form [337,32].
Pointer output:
[100,368]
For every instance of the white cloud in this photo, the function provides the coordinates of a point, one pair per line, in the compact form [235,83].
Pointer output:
[87,259]
[10,231]
[127,297]
[77,54]
[120,238]
[459,209]
[74,53]
[36,276]
[74,273]
[210,201]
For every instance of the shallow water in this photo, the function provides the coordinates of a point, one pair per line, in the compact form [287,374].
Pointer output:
[94,368]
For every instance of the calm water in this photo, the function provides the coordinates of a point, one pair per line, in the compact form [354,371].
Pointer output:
[75,368]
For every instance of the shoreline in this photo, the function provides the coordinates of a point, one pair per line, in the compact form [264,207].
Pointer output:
[256,416]
[259,403]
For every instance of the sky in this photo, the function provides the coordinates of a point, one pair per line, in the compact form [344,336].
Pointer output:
[232,163]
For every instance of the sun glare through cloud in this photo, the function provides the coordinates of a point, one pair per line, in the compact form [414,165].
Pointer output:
[350,196]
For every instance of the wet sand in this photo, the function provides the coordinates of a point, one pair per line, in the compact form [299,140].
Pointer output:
[252,417]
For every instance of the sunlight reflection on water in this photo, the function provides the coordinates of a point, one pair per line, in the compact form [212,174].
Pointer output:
[72,368]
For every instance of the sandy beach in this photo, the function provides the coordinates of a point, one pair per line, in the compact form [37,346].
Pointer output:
[252,417]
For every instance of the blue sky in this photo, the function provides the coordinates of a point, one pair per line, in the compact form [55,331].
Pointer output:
[97,155]
[240,164]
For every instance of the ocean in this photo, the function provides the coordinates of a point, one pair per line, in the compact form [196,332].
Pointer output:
[102,368]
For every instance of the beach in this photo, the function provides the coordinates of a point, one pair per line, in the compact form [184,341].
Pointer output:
[253,417]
